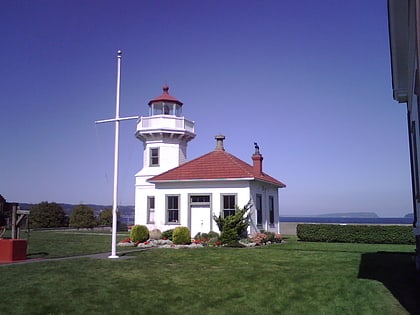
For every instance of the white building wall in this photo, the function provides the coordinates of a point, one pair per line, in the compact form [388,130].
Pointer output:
[184,190]
[266,190]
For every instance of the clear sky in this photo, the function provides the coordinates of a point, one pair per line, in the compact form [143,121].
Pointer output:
[309,81]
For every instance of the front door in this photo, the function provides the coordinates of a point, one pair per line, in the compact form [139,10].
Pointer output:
[200,219]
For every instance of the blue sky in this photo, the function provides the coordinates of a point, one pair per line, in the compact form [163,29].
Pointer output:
[308,80]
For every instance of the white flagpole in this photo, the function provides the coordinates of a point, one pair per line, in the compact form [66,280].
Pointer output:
[117,129]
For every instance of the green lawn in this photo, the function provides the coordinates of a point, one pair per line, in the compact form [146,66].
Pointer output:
[53,244]
[289,278]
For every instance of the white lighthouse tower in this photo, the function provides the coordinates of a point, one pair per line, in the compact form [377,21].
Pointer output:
[165,134]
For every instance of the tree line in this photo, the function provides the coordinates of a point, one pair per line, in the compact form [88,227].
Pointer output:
[52,215]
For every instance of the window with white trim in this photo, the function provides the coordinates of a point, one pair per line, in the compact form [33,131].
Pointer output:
[271,209]
[154,156]
[150,209]
[259,209]
[228,205]
[172,208]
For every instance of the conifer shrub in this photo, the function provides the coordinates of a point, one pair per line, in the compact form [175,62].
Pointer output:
[168,234]
[139,233]
[181,235]
[155,234]
[233,227]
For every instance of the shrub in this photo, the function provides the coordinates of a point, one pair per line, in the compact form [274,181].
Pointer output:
[233,227]
[270,236]
[155,234]
[168,234]
[259,238]
[139,233]
[181,235]
[213,234]
[201,236]
[278,238]
[374,234]
[228,236]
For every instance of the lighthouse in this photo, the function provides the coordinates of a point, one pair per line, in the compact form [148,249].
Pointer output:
[165,134]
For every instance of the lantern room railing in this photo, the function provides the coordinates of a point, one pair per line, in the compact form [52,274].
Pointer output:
[165,122]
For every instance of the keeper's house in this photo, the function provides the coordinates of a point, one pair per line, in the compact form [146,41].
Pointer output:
[172,192]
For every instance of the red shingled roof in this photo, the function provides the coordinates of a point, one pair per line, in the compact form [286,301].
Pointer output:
[165,97]
[215,165]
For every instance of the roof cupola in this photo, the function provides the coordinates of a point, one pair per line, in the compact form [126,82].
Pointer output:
[165,104]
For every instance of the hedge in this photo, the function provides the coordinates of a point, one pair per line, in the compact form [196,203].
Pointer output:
[372,234]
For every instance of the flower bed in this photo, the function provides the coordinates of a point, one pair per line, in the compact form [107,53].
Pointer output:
[201,240]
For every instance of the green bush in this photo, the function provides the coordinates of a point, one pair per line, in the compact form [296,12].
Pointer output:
[139,233]
[373,234]
[168,234]
[181,235]
[233,227]
[228,236]
[271,236]
[213,234]
[200,236]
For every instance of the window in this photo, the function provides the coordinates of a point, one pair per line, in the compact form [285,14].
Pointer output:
[150,209]
[154,157]
[259,209]
[200,199]
[172,205]
[166,110]
[229,205]
[271,208]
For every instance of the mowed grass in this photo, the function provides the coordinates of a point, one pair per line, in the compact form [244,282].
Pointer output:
[289,278]
[53,244]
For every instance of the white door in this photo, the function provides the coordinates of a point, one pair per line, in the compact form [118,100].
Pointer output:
[200,219]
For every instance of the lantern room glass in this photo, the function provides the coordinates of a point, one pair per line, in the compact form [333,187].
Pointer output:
[166,108]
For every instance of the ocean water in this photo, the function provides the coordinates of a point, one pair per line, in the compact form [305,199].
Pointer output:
[344,220]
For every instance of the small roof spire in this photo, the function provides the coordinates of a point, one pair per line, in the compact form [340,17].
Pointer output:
[165,89]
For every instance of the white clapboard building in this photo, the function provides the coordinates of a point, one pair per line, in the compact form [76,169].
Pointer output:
[171,191]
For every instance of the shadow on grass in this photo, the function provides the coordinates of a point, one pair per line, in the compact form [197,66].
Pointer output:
[397,272]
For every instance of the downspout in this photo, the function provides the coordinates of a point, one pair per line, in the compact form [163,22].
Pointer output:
[417,78]
[412,169]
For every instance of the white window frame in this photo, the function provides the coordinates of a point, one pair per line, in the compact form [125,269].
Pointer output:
[176,222]
[151,210]
[152,156]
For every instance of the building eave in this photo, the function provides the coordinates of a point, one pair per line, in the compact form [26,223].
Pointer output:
[216,180]
[398,24]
